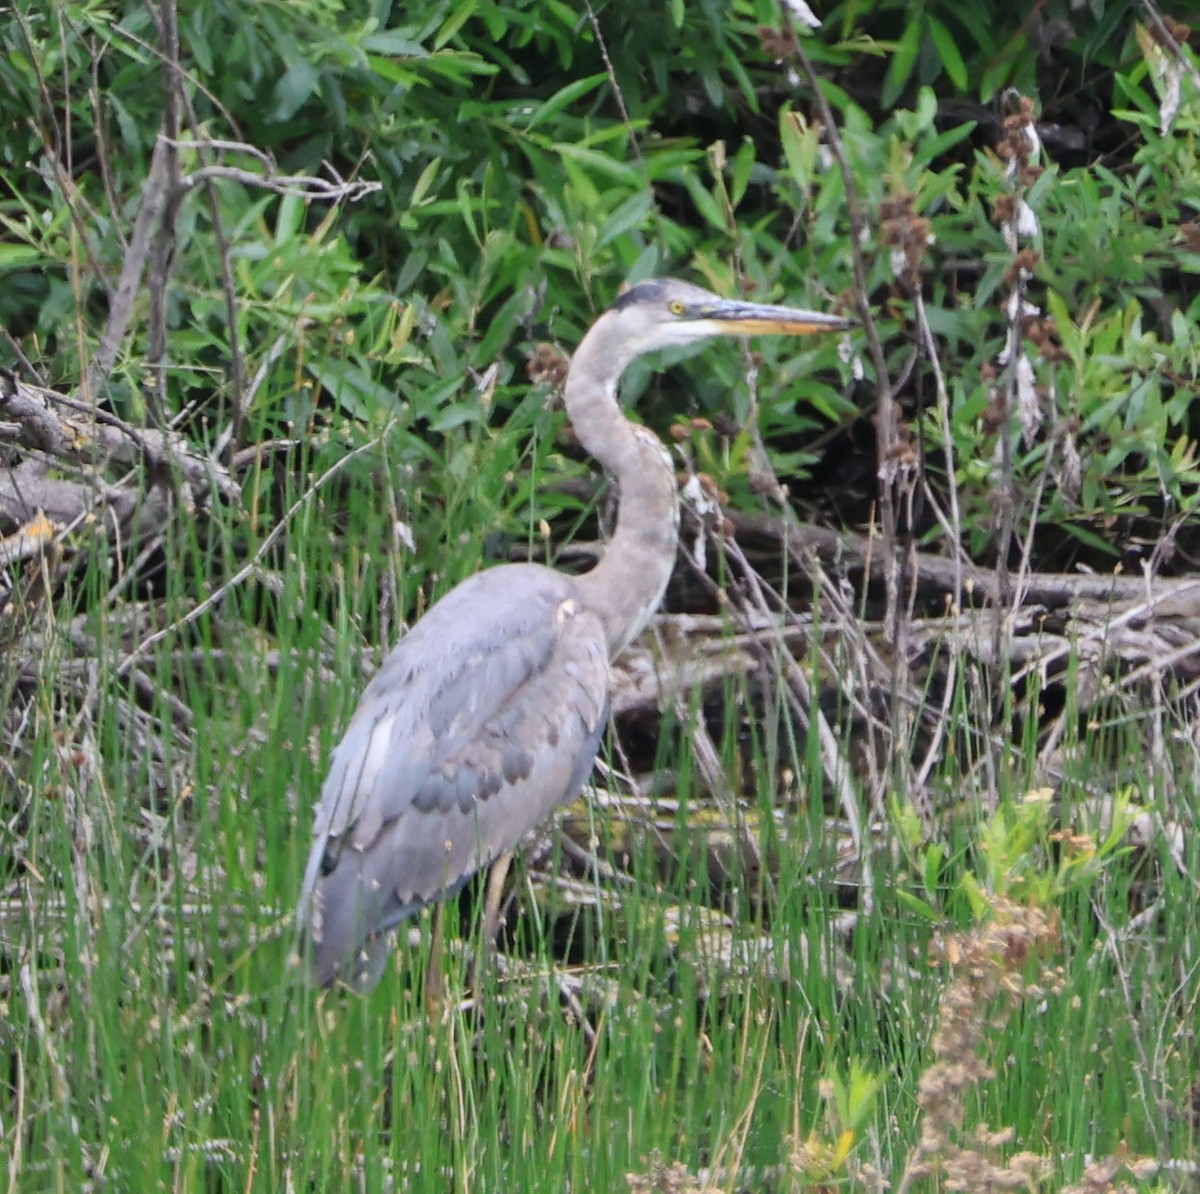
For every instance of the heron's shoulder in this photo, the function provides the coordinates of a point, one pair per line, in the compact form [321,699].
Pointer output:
[515,598]
[511,616]
[512,584]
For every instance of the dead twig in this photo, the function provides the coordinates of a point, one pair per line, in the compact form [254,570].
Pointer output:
[156,201]
[307,186]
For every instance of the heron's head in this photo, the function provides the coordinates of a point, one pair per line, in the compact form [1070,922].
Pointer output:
[666,312]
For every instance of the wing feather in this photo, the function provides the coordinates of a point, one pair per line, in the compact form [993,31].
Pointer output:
[482,720]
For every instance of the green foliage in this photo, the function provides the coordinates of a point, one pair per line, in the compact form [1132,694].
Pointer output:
[1015,848]
[981,50]
[515,198]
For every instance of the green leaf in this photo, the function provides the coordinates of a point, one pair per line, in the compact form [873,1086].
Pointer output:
[392,72]
[800,143]
[19,256]
[460,14]
[947,49]
[466,208]
[289,218]
[931,867]
[706,205]
[563,97]
[585,190]
[994,78]
[619,171]
[627,216]
[646,265]
[904,58]
[295,86]
[394,43]
[423,184]
[458,414]
[743,167]
[922,908]
[936,147]
[978,900]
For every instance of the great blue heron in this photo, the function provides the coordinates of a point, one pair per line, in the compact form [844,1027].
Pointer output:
[488,713]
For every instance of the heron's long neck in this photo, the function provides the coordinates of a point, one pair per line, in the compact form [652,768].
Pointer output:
[627,584]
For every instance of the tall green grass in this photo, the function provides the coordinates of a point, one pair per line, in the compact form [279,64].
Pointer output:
[157,1034]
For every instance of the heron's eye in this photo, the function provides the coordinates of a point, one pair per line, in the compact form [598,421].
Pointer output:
[677,308]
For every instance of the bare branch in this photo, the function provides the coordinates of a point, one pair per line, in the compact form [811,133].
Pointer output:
[162,248]
[309,186]
[48,422]
[155,200]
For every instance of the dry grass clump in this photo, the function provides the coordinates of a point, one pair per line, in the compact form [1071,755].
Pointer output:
[662,1178]
[990,971]
[989,966]
[1099,1177]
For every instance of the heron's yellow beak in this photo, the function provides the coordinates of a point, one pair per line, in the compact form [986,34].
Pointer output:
[761,319]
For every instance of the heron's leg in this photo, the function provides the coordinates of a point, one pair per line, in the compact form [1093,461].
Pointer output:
[495,893]
[491,915]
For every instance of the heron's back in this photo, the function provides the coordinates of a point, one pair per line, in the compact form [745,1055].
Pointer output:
[484,718]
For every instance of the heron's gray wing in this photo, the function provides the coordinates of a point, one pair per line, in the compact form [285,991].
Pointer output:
[482,720]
